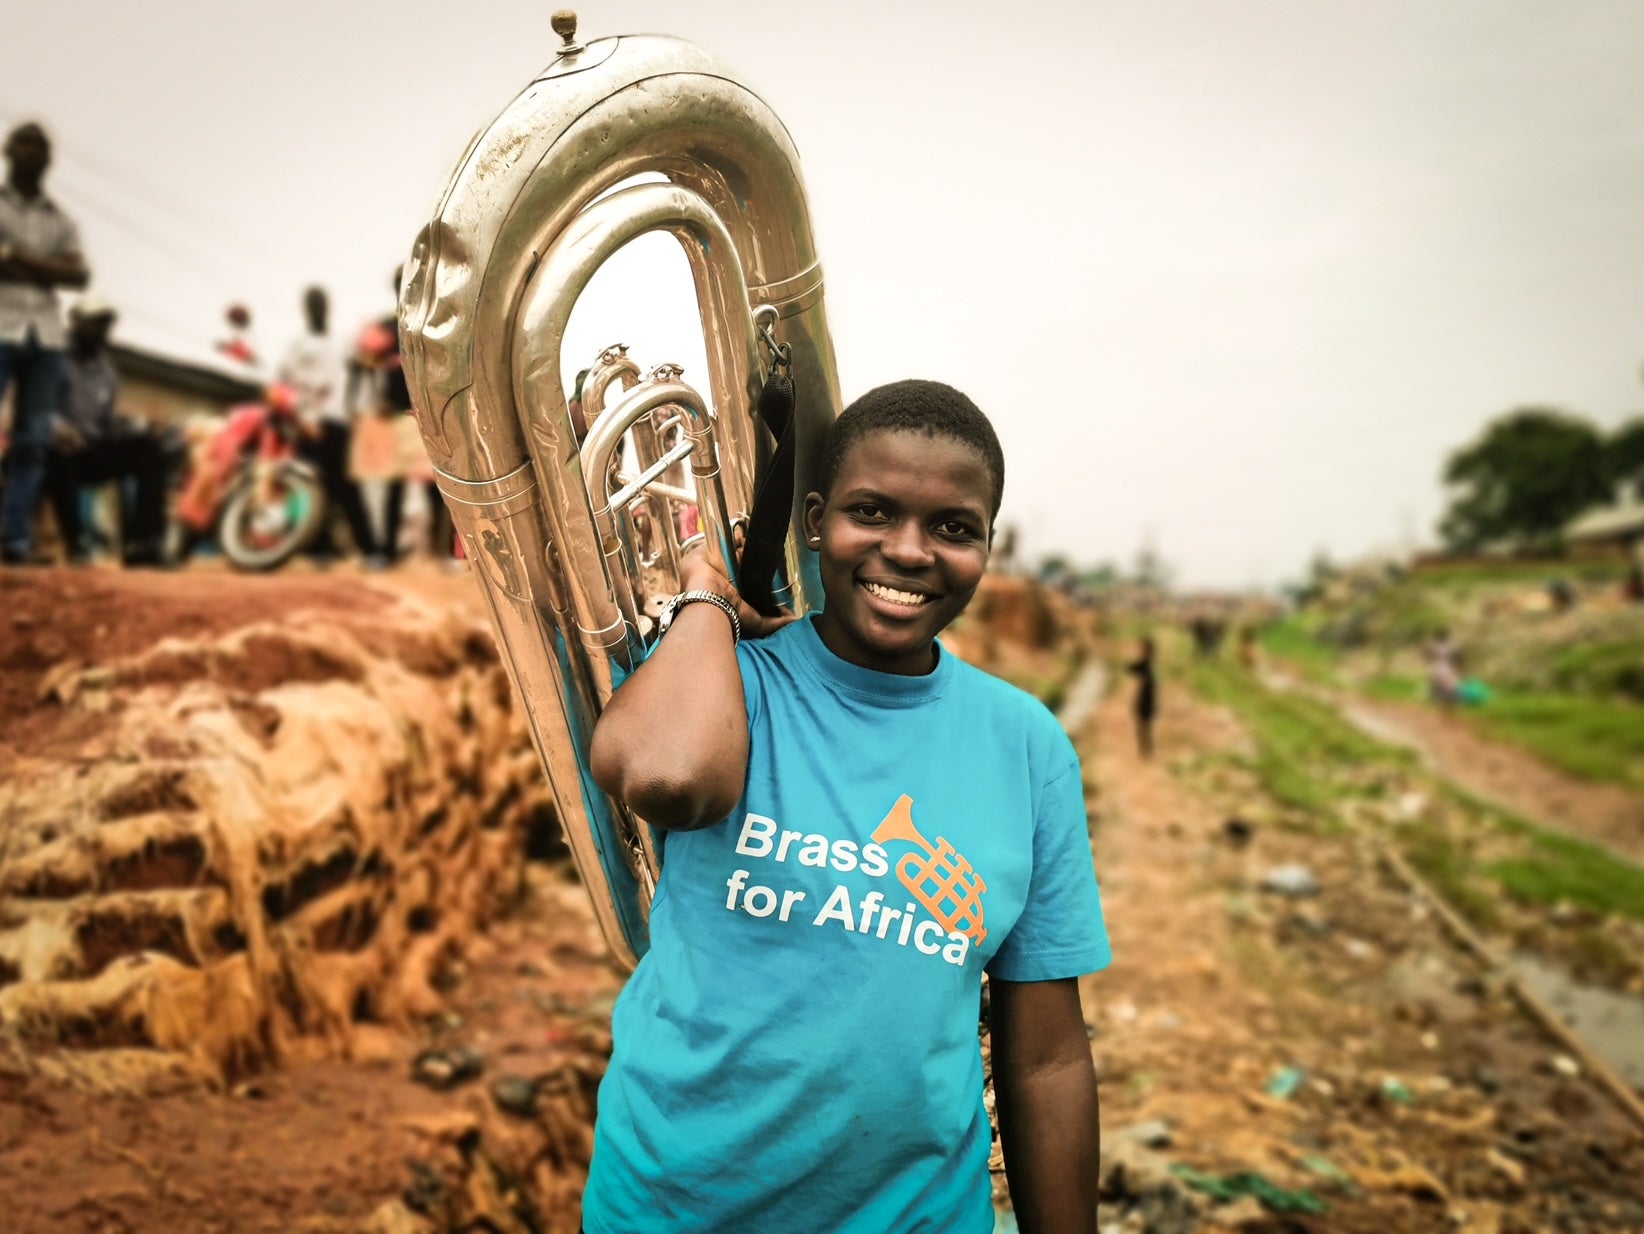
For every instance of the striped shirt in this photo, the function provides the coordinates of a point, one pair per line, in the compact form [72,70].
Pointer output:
[39,229]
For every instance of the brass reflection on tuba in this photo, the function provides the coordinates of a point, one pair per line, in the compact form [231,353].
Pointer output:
[574,535]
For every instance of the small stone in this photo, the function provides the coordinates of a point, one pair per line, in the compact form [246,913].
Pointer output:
[442,1069]
[1246,1210]
[1429,1041]
[515,1095]
[1154,1133]
[1563,1064]
[1295,881]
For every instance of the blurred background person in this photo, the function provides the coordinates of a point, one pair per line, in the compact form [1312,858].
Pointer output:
[94,444]
[378,388]
[239,347]
[39,252]
[313,367]
[1145,703]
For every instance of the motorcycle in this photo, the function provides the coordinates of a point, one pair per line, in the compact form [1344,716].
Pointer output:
[246,486]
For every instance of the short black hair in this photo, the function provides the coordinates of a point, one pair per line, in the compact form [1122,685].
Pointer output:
[915,406]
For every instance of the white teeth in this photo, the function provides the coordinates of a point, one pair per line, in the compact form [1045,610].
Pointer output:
[897,597]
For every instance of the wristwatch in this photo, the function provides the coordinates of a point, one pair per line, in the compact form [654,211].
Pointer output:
[699,597]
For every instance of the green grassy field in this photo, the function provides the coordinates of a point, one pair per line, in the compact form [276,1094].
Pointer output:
[1310,759]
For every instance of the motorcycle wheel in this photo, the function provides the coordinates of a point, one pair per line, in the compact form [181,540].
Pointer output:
[265,534]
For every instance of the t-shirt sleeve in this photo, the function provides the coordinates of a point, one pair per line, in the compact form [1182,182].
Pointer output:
[753,681]
[1061,932]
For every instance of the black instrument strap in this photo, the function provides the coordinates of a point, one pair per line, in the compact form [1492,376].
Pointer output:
[773,502]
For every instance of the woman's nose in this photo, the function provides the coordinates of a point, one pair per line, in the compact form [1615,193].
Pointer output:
[907,545]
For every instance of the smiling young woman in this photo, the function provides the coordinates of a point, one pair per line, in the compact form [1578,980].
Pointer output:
[862,826]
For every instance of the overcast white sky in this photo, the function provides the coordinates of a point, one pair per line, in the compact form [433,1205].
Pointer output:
[1232,277]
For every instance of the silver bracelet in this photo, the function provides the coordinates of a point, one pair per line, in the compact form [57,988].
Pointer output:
[701,596]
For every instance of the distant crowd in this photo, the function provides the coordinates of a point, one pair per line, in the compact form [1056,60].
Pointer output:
[342,410]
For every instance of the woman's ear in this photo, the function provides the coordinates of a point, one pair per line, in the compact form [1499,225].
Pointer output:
[812,519]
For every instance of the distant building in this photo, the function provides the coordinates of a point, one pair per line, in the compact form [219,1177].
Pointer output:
[166,392]
[1609,529]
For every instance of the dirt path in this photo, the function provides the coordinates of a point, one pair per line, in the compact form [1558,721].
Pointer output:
[1443,1106]
[1506,776]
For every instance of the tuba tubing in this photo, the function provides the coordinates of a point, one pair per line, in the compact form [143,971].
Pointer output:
[539,201]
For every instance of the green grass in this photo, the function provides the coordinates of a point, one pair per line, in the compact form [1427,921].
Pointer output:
[1393,688]
[1303,746]
[1595,739]
[1474,573]
[1454,875]
[1311,759]
[1560,868]
[1294,640]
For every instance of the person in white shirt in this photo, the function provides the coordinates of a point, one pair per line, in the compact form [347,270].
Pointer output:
[314,367]
[39,252]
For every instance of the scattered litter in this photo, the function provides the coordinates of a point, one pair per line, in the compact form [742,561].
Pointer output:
[1296,881]
[1505,1166]
[1238,832]
[1563,1064]
[1411,806]
[1154,1133]
[1285,1082]
[515,1094]
[447,1068]
[1325,1168]
[1395,1089]
[1229,1187]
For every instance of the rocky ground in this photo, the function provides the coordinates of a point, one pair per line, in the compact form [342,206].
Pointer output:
[1323,1061]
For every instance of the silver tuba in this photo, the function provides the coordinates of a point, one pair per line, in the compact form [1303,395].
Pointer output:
[575,539]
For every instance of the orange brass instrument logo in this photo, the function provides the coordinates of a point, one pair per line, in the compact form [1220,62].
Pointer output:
[941,879]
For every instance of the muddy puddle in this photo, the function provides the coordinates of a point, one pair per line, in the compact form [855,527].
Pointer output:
[1611,1023]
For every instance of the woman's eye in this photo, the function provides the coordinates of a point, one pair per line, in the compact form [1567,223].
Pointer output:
[954,529]
[869,512]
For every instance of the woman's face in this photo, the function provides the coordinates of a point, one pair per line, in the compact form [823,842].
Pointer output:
[903,539]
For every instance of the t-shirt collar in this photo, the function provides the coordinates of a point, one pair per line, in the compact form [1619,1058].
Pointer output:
[869,684]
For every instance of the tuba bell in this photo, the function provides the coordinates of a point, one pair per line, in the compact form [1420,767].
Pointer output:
[573,512]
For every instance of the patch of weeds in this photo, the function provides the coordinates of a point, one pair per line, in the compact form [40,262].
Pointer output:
[1452,874]
[1592,738]
[1392,688]
[1295,640]
[1556,868]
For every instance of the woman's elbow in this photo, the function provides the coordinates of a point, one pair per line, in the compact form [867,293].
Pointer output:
[674,798]
[681,806]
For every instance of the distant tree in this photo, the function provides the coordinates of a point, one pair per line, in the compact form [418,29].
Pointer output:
[1101,575]
[1528,474]
[1321,570]
[1053,568]
[1152,571]
[1626,451]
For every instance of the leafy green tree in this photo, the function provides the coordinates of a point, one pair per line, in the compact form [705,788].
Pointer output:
[1626,451]
[1528,474]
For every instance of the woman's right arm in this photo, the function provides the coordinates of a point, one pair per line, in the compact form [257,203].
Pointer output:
[672,744]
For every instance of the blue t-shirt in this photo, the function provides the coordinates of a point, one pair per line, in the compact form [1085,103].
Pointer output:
[798,1051]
